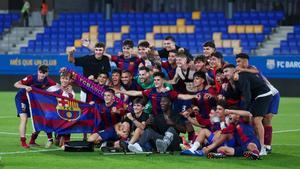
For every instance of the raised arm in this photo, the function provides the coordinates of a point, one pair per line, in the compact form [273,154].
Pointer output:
[131,92]
[70,52]
[19,85]
[187,96]
[238,112]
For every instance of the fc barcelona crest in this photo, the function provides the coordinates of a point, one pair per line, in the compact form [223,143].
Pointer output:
[68,110]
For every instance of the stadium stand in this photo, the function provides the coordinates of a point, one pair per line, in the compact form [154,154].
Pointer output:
[243,33]
[291,46]
[7,20]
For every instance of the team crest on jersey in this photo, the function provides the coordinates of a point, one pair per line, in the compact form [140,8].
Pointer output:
[68,110]
[270,64]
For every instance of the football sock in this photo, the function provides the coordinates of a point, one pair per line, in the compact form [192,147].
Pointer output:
[33,138]
[195,146]
[268,135]
[49,135]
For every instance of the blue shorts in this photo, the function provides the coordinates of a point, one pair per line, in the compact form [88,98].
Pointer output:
[22,106]
[108,134]
[210,139]
[230,143]
[273,107]
[239,151]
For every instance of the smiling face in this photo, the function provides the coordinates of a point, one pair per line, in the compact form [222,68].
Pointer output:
[242,63]
[199,65]
[125,129]
[126,78]
[144,76]
[102,79]
[198,81]
[127,50]
[143,51]
[116,79]
[228,73]
[42,75]
[169,45]
[108,97]
[207,51]
[172,58]
[138,108]
[180,61]
[65,81]
[158,81]
[99,52]
[165,103]
[220,111]
[215,62]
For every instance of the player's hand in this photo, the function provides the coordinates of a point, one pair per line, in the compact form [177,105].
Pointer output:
[236,76]
[134,53]
[212,113]
[227,111]
[85,42]
[195,109]
[115,110]
[91,77]
[149,121]
[91,103]
[129,115]
[120,53]
[205,150]
[207,96]
[198,96]
[28,88]
[239,69]
[69,88]
[185,114]
[225,86]
[70,50]
[63,69]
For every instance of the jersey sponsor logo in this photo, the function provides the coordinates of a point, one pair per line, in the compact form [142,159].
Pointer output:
[68,110]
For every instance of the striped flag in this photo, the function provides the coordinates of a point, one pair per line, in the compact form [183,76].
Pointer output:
[54,113]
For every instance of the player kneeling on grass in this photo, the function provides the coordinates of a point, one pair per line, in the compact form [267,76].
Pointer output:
[41,81]
[163,131]
[114,133]
[137,120]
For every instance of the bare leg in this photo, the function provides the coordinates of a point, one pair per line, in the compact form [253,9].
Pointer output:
[23,122]
[228,151]
[259,129]
[95,138]
[136,135]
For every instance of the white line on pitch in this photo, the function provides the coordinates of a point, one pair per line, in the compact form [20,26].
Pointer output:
[33,151]
[286,131]
[286,145]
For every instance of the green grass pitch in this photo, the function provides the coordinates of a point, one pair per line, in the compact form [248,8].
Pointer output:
[286,148]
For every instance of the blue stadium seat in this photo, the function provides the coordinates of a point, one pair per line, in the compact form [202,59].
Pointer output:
[276,51]
[285,51]
[294,50]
